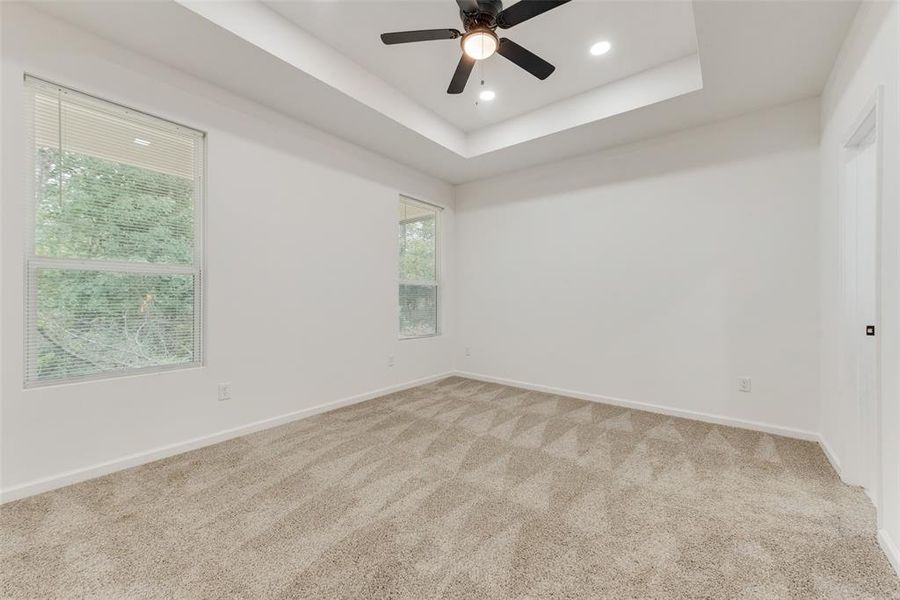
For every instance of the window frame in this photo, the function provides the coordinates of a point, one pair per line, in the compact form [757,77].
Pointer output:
[33,262]
[436,284]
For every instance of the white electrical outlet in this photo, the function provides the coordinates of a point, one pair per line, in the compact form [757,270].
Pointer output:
[743,384]
[390,360]
[224,391]
[468,351]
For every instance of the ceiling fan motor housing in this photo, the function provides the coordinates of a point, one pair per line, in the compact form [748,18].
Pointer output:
[484,18]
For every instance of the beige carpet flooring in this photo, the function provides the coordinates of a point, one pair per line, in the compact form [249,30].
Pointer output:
[459,489]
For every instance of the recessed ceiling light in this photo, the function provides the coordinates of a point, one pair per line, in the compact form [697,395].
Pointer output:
[141,142]
[487,95]
[600,48]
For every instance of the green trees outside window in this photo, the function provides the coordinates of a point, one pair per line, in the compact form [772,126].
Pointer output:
[113,279]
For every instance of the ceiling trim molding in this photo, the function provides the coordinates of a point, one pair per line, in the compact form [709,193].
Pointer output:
[262,27]
[269,31]
[664,82]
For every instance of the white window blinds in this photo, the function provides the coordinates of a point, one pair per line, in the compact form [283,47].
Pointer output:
[419,272]
[114,259]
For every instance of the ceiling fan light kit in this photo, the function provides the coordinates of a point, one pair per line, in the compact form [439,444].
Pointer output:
[480,44]
[480,20]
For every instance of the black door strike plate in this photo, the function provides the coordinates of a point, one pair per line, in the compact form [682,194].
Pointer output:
[870,330]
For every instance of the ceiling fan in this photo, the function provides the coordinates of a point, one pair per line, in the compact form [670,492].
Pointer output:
[480,20]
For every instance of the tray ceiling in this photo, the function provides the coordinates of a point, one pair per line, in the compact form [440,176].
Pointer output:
[748,55]
[643,35]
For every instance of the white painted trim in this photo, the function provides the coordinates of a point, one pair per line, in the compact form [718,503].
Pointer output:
[272,33]
[654,408]
[831,456]
[39,486]
[891,550]
[260,26]
[46,484]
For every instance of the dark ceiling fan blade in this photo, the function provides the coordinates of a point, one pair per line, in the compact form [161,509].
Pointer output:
[468,6]
[422,35]
[523,10]
[461,76]
[526,59]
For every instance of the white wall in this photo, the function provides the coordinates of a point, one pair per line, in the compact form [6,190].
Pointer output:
[869,59]
[294,320]
[656,273]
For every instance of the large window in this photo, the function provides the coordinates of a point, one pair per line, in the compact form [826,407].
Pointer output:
[419,293]
[114,259]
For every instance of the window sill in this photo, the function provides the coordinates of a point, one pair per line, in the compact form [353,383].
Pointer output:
[113,376]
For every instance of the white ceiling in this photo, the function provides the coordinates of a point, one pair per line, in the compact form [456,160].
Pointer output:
[753,53]
[644,34]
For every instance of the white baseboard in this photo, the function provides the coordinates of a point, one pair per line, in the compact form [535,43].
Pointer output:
[831,456]
[68,478]
[654,408]
[891,550]
[46,484]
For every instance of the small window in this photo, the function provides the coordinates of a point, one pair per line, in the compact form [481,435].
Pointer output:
[419,272]
[114,261]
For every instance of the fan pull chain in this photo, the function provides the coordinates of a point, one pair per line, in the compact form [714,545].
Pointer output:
[481,74]
[477,98]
